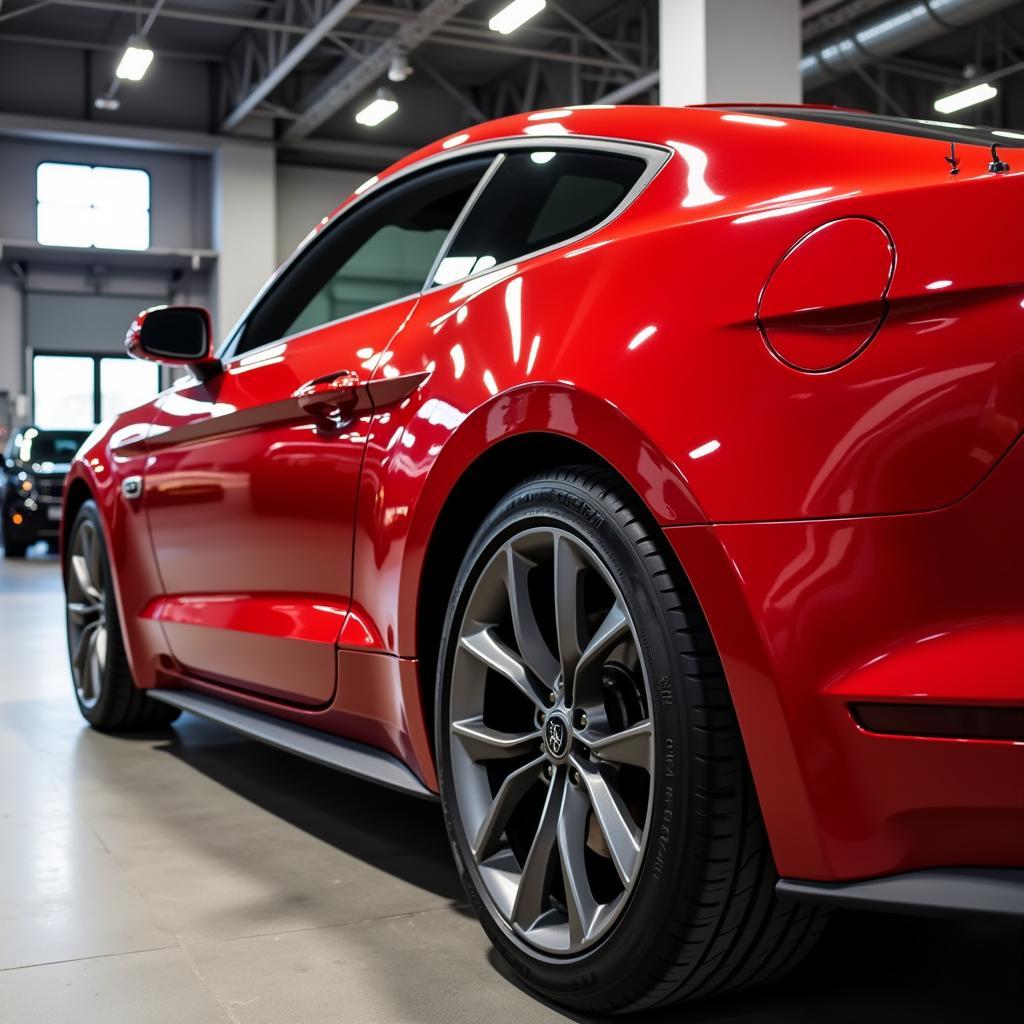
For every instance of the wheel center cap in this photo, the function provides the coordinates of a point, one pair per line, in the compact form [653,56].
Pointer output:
[557,736]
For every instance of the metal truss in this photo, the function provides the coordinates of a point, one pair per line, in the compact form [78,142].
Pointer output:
[618,51]
[261,61]
[908,86]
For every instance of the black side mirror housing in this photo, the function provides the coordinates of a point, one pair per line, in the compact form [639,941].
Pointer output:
[174,336]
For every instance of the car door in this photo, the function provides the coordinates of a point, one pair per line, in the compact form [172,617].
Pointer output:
[252,475]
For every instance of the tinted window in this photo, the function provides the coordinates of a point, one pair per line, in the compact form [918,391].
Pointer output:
[36,446]
[537,199]
[944,131]
[381,251]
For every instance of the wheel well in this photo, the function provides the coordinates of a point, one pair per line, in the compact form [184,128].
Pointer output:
[479,489]
[78,494]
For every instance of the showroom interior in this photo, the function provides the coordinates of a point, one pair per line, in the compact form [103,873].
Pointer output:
[162,152]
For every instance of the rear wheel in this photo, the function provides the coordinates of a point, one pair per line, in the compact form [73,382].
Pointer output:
[106,693]
[594,783]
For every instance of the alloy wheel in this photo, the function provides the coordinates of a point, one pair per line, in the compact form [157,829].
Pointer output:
[551,741]
[87,615]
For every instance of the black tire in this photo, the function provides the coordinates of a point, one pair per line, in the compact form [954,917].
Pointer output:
[702,916]
[14,548]
[110,702]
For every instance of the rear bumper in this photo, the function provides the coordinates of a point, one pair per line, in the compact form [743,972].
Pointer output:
[913,610]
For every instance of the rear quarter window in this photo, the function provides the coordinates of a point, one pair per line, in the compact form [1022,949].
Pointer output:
[537,199]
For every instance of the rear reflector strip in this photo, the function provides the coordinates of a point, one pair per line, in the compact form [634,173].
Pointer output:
[941,720]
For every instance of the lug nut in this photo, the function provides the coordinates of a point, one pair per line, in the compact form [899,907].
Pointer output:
[549,771]
[574,777]
[551,697]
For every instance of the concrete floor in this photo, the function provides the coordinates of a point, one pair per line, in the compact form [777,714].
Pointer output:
[197,877]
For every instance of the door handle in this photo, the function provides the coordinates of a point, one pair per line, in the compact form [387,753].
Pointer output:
[332,397]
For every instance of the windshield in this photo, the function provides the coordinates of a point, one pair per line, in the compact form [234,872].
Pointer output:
[34,447]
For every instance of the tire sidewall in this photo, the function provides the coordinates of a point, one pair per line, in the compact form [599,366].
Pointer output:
[98,714]
[651,909]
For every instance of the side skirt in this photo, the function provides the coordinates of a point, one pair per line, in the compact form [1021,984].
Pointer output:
[938,892]
[333,751]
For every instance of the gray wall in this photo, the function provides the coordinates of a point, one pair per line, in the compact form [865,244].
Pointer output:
[233,200]
[304,195]
[179,188]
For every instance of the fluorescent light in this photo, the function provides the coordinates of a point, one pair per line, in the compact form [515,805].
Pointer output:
[135,60]
[378,109]
[517,13]
[965,98]
[543,156]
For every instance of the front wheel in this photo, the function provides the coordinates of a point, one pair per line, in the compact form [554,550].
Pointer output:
[594,783]
[106,693]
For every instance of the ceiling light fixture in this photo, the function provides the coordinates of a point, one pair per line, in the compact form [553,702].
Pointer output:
[400,68]
[135,60]
[517,13]
[965,98]
[380,108]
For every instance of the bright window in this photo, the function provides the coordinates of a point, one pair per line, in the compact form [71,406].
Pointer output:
[97,207]
[63,389]
[124,384]
[80,391]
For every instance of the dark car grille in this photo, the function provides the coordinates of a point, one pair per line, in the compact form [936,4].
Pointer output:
[50,486]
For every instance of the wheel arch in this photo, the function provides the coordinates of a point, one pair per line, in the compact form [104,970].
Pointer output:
[548,424]
[78,493]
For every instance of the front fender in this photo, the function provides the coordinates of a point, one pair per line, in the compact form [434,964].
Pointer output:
[100,467]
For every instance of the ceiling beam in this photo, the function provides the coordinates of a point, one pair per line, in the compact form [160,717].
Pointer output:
[281,69]
[350,78]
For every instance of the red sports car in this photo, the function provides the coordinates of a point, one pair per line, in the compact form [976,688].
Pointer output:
[645,483]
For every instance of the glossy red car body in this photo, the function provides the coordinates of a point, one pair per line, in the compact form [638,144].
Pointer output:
[829,441]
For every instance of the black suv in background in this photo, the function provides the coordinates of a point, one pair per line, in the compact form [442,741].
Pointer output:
[35,463]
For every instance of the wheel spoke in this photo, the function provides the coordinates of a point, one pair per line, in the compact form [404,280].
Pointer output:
[94,668]
[81,611]
[621,835]
[515,786]
[532,645]
[535,881]
[80,568]
[92,555]
[482,743]
[568,579]
[100,648]
[84,648]
[631,746]
[485,645]
[613,630]
[579,899]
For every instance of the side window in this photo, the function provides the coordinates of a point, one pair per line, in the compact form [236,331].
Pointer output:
[534,200]
[381,251]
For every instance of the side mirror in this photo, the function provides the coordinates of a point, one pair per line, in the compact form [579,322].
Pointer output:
[175,336]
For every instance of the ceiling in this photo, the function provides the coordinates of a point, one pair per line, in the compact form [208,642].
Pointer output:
[295,71]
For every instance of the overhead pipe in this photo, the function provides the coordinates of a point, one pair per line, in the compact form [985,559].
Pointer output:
[872,39]
[891,33]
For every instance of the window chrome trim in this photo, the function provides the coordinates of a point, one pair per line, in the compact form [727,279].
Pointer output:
[485,180]
[655,157]
[546,143]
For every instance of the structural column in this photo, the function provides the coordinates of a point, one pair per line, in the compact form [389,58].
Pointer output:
[730,51]
[244,226]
